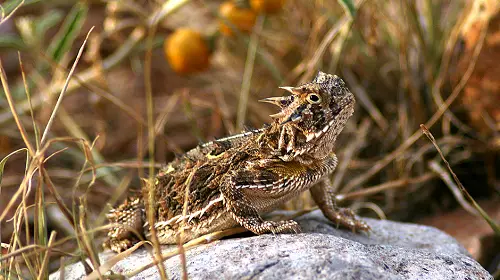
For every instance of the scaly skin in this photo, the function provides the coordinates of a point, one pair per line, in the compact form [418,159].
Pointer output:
[235,179]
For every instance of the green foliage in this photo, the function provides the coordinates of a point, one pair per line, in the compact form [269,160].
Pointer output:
[349,7]
[70,29]
[10,5]
[4,161]
[10,41]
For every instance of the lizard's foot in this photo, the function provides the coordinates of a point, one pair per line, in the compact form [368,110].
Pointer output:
[324,198]
[258,226]
[118,245]
[346,218]
[289,226]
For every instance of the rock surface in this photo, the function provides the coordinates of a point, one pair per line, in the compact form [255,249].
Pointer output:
[391,251]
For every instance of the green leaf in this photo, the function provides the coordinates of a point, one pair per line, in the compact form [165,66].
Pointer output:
[4,161]
[10,5]
[47,21]
[349,7]
[64,39]
[10,41]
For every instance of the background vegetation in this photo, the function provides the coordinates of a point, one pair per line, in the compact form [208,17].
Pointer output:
[97,94]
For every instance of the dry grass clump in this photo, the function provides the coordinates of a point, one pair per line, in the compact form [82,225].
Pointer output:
[87,112]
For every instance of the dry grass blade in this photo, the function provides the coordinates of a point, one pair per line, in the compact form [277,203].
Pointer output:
[182,254]
[28,97]
[247,74]
[438,169]
[180,237]
[10,100]
[86,76]
[163,118]
[437,115]
[105,267]
[167,8]
[87,244]
[486,217]
[91,155]
[4,161]
[365,100]
[30,170]
[310,65]
[19,251]
[54,154]
[57,197]
[150,197]
[122,187]
[372,206]
[29,173]
[43,272]
[6,18]
[349,152]
[385,186]
[63,90]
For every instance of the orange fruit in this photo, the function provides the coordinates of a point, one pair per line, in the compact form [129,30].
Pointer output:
[267,6]
[241,18]
[187,51]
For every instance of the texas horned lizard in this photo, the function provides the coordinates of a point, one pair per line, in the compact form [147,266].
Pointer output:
[233,180]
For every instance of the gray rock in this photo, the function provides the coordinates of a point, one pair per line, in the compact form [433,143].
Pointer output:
[391,251]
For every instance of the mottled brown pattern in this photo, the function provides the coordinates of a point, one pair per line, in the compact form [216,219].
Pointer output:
[233,180]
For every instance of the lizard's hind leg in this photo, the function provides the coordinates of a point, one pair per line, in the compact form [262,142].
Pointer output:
[246,213]
[127,225]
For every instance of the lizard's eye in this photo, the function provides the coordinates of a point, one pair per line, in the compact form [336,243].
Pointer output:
[313,98]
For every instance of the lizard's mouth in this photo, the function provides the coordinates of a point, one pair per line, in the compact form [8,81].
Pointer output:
[319,133]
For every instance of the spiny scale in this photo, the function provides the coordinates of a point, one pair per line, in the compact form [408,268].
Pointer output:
[233,180]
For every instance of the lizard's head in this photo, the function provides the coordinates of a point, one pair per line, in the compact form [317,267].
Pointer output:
[314,114]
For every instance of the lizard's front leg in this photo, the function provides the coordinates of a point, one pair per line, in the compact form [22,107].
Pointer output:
[324,197]
[245,210]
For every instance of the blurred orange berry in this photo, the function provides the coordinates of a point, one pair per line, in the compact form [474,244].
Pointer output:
[187,51]
[267,6]
[243,19]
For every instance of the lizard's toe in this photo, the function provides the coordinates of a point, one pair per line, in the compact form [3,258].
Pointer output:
[346,218]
